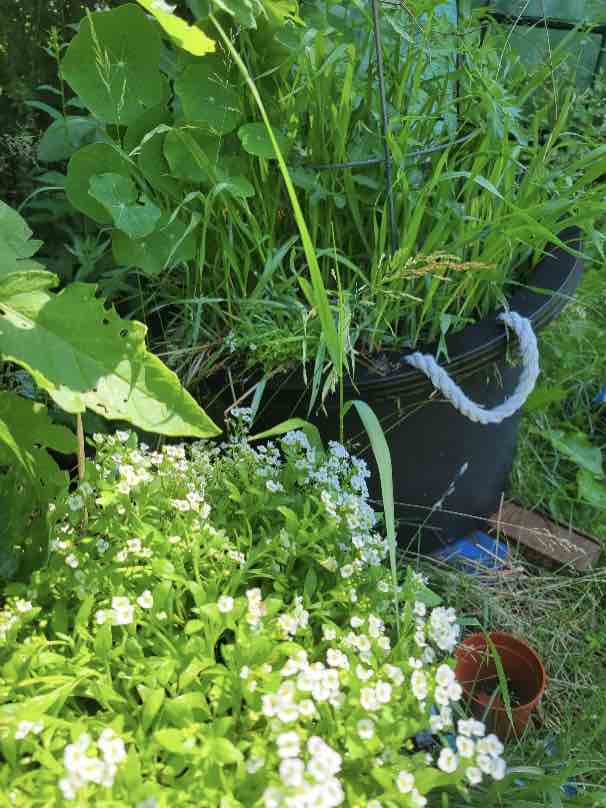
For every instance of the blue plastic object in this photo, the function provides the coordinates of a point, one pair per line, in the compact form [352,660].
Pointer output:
[601,397]
[475,553]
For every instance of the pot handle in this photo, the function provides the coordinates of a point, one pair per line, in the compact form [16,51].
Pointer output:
[440,379]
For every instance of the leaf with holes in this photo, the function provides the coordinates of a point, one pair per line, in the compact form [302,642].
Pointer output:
[113,64]
[84,355]
[119,196]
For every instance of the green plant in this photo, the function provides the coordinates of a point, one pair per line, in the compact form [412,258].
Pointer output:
[215,627]
[83,356]
[182,165]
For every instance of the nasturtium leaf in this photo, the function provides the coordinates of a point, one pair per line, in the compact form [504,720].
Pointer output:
[65,136]
[98,158]
[207,97]
[85,356]
[113,64]
[146,124]
[16,244]
[152,254]
[119,196]
[152,163]
[245,12]
[192,154]
[201,9]
[26,425]
[188,37]
[238,187]
[256,141]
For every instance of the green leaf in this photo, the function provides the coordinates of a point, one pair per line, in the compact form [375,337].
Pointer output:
[542,397]
[176,741]
[97,158]
[223,751]
[84,355]
[188,37]
[256,141]
[152,254]
[382,456]
[26,425]
[64,137]
[113,62]
[192,154]
[16,244]
[119,196]
[591,491]
[207,97]
[312,432]
[152,702]
[577,447]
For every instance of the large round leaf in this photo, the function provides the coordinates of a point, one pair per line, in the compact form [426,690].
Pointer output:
[156,170]
[207,96]
[98,158]
[191,154]
[64,137]
[255,140]
[145,124]
[113,64]
[120,197]
[167,246]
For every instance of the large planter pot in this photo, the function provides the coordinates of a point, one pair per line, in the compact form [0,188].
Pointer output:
[476,671]
[430,441]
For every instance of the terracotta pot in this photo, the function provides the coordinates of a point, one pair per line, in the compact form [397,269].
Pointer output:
[477,673]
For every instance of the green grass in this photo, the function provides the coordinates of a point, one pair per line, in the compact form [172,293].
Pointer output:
[547,472]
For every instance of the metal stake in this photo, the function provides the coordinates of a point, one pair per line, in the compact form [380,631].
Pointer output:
[385,128]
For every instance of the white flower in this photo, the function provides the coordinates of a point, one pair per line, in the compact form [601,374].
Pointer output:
[101,616]
[368,699]
[23,606]
[72,561]
[75,503]
[337,659]
[465,746]
[405,782]
[25,727]
[490,745]
[291,772]
[444,676]
[122,611]
[225,604]
[418,681]
[448,761]
[274,486]
[383,691]
[329,633]
[420,609]
[366,728]
[146,600]
[111,746]
[347,571]
[498,768]
[417,799]
[253,764]
[289,745]
[474,775]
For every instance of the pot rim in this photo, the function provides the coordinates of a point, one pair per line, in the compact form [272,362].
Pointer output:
[461,652]
[554,280]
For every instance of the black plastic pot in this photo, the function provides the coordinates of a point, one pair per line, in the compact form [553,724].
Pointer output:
[430,442]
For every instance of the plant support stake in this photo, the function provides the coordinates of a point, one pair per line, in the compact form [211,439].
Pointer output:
[385,127]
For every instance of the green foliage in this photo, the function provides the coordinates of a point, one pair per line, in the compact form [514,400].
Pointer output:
[214,615]
[472,212]
[83,355]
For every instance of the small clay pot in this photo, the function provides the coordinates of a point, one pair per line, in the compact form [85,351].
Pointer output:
[476,671]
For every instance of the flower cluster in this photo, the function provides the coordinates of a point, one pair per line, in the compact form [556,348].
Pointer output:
[83,766]
[213,619]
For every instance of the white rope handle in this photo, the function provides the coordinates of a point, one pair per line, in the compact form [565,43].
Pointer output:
[476,412]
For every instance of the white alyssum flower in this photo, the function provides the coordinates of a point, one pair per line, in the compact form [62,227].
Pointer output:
[448,761]
[225,604]
[405,782]
[366,728]
[146,600]
[24,728]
